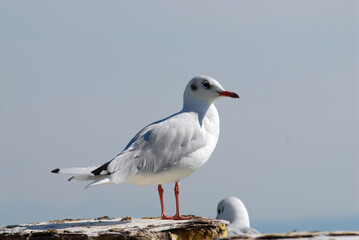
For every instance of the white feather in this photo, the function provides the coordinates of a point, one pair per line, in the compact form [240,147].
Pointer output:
[78,170]
[99,181]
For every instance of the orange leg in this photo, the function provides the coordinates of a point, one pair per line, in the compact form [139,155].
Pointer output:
[163,214]
[178,215]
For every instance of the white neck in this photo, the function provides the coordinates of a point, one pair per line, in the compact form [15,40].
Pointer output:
[240,217]
[193,104]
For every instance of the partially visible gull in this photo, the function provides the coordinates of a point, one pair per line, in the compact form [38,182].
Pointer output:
[233,210]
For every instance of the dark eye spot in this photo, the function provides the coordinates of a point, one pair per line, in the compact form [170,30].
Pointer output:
[193,87]
[206,84]
[147,135]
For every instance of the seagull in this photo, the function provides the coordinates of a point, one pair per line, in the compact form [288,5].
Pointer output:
[167,150]
[233,210]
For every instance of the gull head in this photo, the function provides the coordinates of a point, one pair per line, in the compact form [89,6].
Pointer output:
[205,89]
[232,209]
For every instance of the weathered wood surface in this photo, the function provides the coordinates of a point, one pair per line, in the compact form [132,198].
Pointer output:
[147,228]
[117,228]
[335,235]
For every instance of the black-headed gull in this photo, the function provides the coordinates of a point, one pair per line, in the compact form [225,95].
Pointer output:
[233,210]
[167,150]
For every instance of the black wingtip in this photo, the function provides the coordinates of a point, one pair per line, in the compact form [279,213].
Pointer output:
[70,178]
[57,170]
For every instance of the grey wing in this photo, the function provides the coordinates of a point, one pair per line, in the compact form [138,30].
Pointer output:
[157,147]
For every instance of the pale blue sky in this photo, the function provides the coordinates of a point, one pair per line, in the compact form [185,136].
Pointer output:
[80,78]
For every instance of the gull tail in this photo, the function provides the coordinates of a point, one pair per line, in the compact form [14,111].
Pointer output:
[76,170]
[85,174]
[115,171]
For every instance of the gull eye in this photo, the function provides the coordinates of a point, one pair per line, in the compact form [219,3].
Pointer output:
[206,84]
[193,87]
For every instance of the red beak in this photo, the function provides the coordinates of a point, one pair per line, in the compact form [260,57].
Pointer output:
[228,94]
